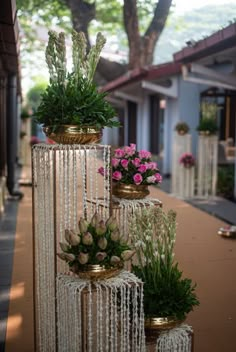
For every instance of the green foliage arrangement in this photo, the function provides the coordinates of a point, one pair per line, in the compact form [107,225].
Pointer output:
[208,121]
[166,292]
[25,112]
[225,182]
[97,242]
[182,127]
[73,98]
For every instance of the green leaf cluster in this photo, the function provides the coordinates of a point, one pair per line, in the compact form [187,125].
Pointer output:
[207,124]
[77,102]
[166,293]
[182,126]
[172,295]
[225,181]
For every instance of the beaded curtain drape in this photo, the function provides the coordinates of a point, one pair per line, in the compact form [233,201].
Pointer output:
[64,177]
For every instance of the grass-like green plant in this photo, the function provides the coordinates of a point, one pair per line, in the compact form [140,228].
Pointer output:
[76,103]
[73,98]
[208,120]
[166,292]
[207,125]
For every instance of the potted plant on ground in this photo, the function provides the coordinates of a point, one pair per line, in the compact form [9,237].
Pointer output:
[168,297]
[182,128]
[132,172]
[71,108]
[208,125]
[96,250]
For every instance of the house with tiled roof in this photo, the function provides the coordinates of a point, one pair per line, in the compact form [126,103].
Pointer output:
[152,100]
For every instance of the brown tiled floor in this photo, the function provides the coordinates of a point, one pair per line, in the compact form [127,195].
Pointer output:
[203,256]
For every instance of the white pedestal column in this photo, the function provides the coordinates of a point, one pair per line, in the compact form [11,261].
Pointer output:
[64,177]
[100,316]
[181,144]
[207,165]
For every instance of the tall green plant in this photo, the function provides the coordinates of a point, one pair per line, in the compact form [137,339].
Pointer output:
[72,97]
[166,293]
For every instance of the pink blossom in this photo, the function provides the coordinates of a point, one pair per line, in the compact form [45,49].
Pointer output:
[129,151]
[136,162]
[101,171]
[119,153]
[133,146]
[137,179]
[158,178]
[152,165]
[125,163]
[115,162]
[117,175]
[144,154]
[142,168]
[151,179]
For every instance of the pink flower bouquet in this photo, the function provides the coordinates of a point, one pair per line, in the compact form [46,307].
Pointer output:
[132,167]
[187,160]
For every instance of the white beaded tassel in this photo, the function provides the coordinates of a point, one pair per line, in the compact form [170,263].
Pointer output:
[60,182]
[182,144]
[44,249]
[109,325]
[207,165]
[175,340]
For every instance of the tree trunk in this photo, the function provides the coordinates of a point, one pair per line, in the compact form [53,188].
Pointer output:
[141,48]
[82,13]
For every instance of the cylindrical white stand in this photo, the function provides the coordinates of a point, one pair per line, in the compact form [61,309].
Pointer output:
[207,165]
[105,315]
[186,182]
[64,176]
[182,144]
[177,340]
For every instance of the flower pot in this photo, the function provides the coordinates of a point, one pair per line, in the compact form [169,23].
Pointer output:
[73,134]
[154,326]
[121,190]
[97,272]
[206,133]
[181,132]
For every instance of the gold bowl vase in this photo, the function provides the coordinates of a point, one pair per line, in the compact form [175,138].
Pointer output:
[154,326]
[98,272]
[181,132]
[73,134]
[121,190]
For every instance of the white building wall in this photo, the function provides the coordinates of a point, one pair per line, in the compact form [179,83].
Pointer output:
[189,107]
[111,136]
[170,119]
[143,124]
[185,108]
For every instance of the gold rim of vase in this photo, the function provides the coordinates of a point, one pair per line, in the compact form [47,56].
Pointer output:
[207,133]
[121,190]
[98,272]
[74,134]
[162,323]
[181,132]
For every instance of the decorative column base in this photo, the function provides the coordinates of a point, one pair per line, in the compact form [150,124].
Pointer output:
[186,185]
[105,315]
[179,339]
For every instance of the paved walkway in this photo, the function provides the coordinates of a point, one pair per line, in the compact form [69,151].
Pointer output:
[207,258]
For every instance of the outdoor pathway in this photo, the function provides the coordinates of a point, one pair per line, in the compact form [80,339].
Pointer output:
[206,258]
